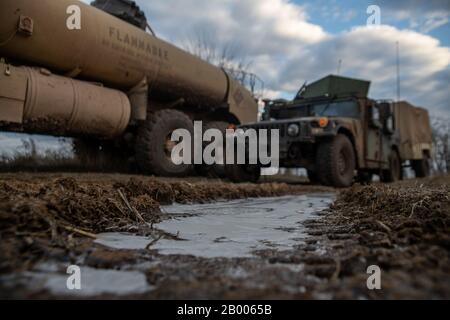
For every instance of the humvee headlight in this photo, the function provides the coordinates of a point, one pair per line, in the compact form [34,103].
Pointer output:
[323,122]
[293,130]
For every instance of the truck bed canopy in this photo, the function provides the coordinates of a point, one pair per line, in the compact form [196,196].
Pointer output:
[413,127]
[336,86]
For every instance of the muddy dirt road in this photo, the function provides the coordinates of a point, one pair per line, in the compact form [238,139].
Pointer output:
[136,237]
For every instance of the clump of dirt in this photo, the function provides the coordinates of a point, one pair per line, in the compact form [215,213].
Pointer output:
[61,203]
[61,209]
[186,192]
[403,228]
[384,215]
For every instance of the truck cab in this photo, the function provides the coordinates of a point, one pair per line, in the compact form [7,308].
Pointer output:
[336,132]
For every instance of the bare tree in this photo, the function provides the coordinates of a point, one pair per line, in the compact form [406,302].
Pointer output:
[441,141]
[226,56]
[442,152]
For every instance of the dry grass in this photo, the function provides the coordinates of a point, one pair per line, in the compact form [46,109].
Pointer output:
[404,228]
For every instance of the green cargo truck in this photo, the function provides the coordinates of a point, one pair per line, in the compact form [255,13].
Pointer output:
[340,136]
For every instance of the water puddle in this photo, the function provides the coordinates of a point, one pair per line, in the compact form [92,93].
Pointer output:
[230,229]
[93,282]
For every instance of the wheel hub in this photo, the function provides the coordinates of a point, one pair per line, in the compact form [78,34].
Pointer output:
[169,145]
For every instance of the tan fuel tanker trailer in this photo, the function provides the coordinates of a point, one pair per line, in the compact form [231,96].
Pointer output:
[70,69]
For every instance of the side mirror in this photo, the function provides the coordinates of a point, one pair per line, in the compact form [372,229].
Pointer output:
[387,117]
[375,117]
[267,110]
[389,125]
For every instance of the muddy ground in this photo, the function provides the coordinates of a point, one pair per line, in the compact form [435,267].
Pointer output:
[403,228]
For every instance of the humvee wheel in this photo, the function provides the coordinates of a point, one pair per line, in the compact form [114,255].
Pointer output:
[364,178]
[395,169]
[215,170]
[154,145]
[336,162]
[422,167]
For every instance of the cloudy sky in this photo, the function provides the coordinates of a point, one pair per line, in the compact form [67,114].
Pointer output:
[289,42]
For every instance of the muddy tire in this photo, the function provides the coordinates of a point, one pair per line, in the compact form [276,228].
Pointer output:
[422,167]
[395,172]
[153,145]
[336,162]
[240,173]
[215,170]
[364,178]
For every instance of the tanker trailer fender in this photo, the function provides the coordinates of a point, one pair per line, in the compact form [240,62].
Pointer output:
[138,97]
[240,101]
[13,91]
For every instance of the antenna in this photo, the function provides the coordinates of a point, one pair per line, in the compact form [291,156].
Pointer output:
[398,72]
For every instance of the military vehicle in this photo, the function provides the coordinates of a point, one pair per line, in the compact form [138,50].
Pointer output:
[93,72]
[339,135]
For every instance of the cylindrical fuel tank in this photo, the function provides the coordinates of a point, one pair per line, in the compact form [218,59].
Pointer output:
[105,49]
[45,103]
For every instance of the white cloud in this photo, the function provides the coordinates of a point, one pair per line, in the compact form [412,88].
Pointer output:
[422,15]
[332,10]
[286,49]
[433,21]
[370,53]
[260,26]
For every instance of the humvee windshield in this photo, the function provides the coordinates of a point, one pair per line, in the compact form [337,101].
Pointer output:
[345,109]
